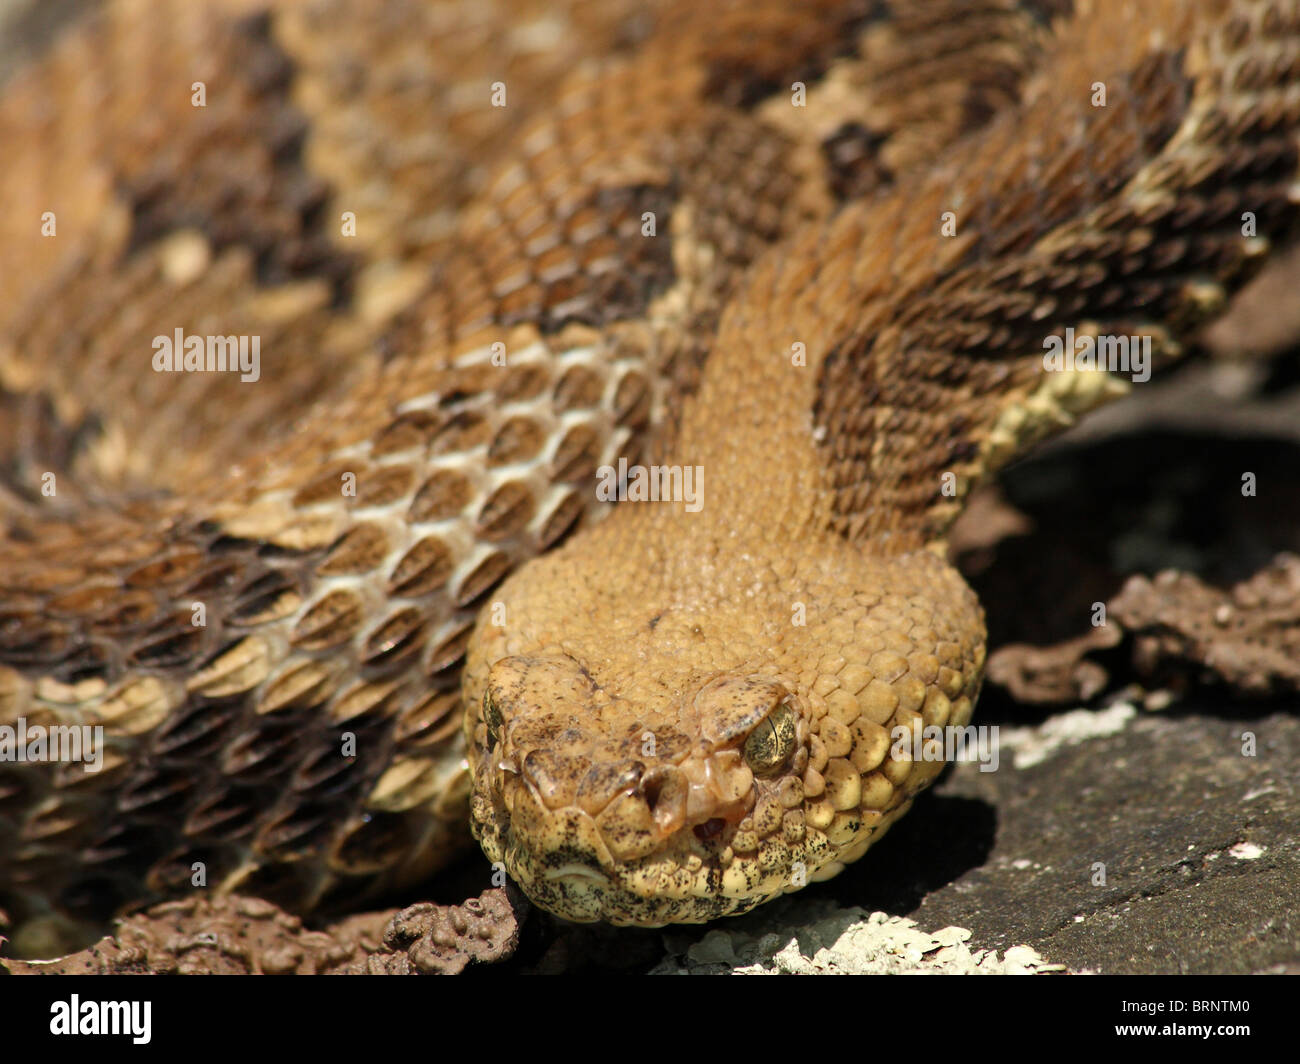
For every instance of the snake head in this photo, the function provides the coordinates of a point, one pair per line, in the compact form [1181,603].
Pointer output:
[647,750]
[607,810]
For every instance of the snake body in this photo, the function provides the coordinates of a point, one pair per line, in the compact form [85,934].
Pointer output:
[812,251]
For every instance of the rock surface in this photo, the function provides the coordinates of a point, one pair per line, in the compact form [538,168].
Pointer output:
[1150,843]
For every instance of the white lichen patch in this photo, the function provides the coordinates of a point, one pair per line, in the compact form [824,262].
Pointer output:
[834,941]
[1032,746]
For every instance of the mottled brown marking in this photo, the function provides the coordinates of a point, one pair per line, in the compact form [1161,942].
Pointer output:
[612,275]
[390,644]
[797,45]
[579,388]
[359,550]
[853,165]
[518,440]
[443,495]
[481,579]
[424,568]
[506,512]
[244,180]
[382,485]
[331,621]
[576,455]
[450,651]
[561,520]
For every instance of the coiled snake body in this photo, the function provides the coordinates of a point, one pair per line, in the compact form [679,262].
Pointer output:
[805,254]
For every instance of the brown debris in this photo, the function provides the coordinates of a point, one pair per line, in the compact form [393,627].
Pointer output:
[1054,674]
[445,939]
[1178,629]
[1248,636]
[248,936]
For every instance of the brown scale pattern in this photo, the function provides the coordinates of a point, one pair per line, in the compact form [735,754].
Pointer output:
[336,615]
[959,354]
[371,112]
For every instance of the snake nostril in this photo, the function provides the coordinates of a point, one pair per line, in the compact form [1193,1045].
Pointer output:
[664,790]
[652,788]
[710,829]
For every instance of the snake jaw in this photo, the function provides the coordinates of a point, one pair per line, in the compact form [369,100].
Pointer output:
[644,827]
[577,872]
[697,752]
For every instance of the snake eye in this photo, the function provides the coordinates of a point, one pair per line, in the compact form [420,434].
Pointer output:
[770,745]
[492,718]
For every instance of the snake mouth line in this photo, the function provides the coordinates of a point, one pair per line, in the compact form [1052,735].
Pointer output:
[577,871]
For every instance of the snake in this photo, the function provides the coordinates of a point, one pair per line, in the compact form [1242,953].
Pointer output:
[621,368]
